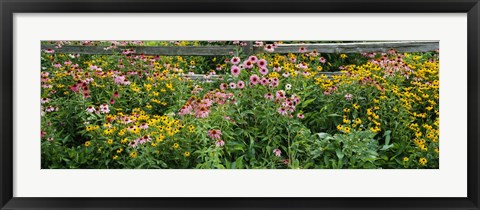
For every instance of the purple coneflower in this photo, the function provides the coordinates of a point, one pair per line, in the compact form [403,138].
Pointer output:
[277,152]
[90,109]
[262,63]
[264,71]
[348,97]
[235,60]
[264,81]
[240,84]
[253,59]
[214,134]
[254,79]
[235,71]
[219,143]
[269,48]
[248,64]
[282,111]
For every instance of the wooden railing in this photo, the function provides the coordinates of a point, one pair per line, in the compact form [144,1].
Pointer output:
[354,47]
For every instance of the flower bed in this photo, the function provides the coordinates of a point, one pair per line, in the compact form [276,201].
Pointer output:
[265,111]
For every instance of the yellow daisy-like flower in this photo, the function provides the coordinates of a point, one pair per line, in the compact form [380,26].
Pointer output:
[133,154]
[405,159]
[422,161]
[358,121]
[175,146]
[109,141]
[356,106]
[186,154]
[87,143]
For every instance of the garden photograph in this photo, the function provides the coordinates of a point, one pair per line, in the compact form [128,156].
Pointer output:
[270,104]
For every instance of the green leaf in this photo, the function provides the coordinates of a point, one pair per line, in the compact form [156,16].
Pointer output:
[387,137]
[339,153]
[239,162]
[334,115]
[307,102]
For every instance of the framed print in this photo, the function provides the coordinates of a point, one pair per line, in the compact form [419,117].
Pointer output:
[239,105]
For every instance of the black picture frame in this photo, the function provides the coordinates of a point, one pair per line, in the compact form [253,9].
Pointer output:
[10,7]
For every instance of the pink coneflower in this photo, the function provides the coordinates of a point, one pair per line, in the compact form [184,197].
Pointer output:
[253,59]
[263,71]
[300,116]
[90,109]
[50,139]
[86,95]
[286,74]
[104,109]
[277,68]
[235,71]
[277,152]
[116,94]
[282,111]
[262,63]
[185,110]
[215,134]
[50,51]
[43,133]
[57,65]
[85,89]
[348,97]
[254,79]
[232,85]
[302,65]
[264,81]
[219,143]
[273,84]
[302,50]
[144,126]
[112,101]
[50,109]
[119,79]
[258,44]
[391,51]
[202,112]
[44,100]
[223,86]
[322,60]
[268,96]
[248,64]
[280,94]
[293,59]
[240,84]
[68,63]
[133,144]
[235,60]
[269,48]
